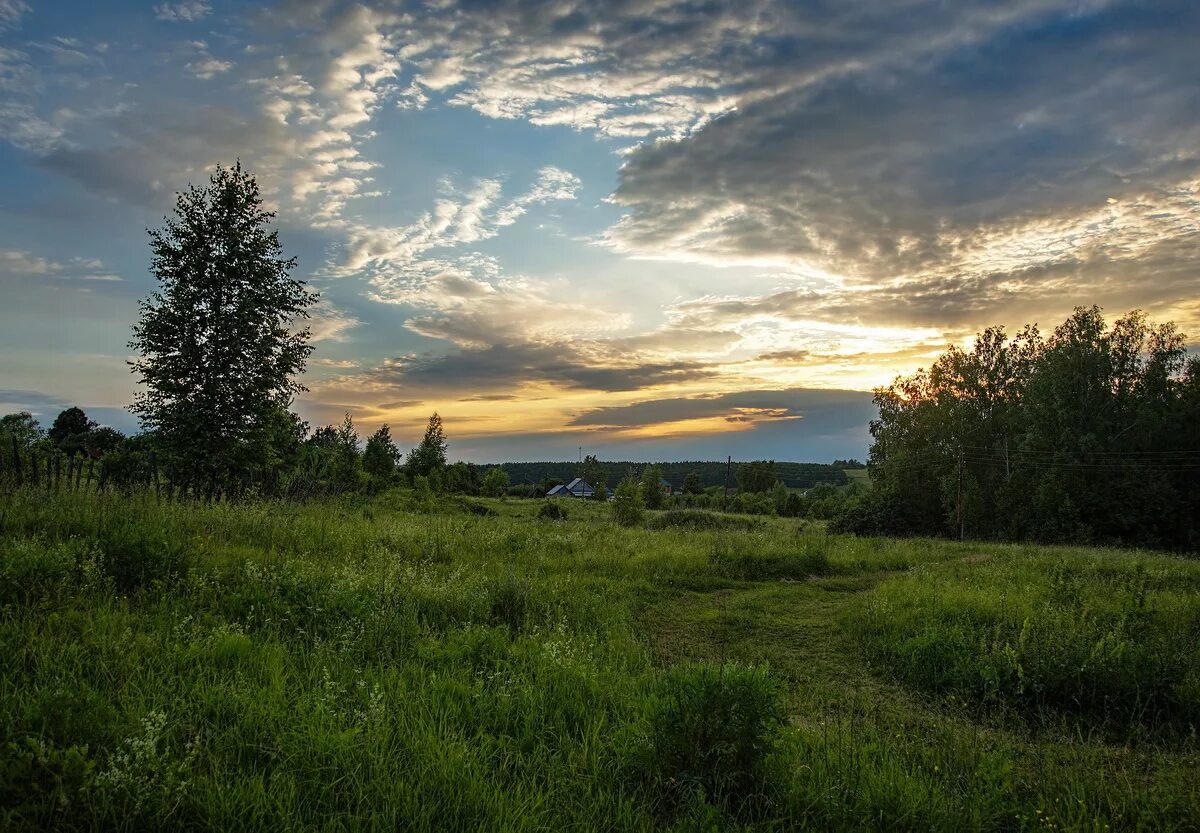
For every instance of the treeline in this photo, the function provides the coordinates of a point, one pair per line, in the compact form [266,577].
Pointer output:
[709,473]
[292,460]
[1091,435]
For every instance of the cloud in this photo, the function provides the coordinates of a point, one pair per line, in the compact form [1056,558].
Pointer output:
[328,323]
[11,12]
[457,219]
[18,264]
[820,406]
[985,165]
[505,366]
[185,11]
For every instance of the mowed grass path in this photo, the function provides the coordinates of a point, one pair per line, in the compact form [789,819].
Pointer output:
[390,665]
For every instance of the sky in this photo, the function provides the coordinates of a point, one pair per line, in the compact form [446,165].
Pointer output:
[650,229]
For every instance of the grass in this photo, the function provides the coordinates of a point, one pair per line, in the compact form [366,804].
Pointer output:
[361,665]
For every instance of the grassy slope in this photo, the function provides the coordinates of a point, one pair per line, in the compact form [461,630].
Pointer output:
[365,667]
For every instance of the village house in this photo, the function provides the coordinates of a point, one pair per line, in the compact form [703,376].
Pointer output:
[576,488]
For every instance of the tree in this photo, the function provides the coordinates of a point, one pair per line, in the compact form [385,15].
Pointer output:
[495,482]
[430,455]
[380,455]
[779,496]
[692,485]
[652,489]
[70,430]
[103,440]
[22,428]
[1087,435]
[628,505]
[218,340]
[461,478]
[592,471]
[758,476]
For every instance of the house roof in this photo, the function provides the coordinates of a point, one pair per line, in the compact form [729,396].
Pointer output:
[579,485]
[557,490]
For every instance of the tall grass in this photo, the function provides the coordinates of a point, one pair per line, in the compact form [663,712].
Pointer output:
[359,665]
[1113,638]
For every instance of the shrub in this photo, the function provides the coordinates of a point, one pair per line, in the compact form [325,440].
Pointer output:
[712,731]
[40,785]
[510,602]
[474,507]
[134,557]
[31,570]
[552,511]
[628,506]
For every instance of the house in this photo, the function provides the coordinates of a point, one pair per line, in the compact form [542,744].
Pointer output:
[576,488]
[667,488]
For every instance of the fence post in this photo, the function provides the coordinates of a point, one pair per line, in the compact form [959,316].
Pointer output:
[91,467]
[57,470]
[103,476]
[16,459]
[154,475]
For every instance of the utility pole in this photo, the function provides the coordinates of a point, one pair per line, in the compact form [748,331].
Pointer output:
[725,499]
[959,501]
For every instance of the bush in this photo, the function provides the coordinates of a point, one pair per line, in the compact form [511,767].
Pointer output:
[712,731]
[699,519]
[552,511]
[134,557]
[32,571]
[510,602]
[474,507]
[628,506]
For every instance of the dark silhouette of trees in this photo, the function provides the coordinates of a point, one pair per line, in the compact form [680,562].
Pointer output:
[1089,435]
[757,476]
[70,430]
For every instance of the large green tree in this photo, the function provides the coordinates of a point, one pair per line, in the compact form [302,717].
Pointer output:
[220,343]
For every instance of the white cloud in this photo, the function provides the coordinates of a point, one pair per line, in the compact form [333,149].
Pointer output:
[11,12]
[185,11]
[208,67]
[328,323]
[19,264]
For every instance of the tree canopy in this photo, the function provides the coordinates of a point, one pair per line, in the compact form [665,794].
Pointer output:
[1091,434]
[219,344]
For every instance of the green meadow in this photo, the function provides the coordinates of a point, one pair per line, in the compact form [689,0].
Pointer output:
[395,663]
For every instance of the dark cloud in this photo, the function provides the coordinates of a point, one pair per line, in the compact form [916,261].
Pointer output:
[819,408]
[507,365]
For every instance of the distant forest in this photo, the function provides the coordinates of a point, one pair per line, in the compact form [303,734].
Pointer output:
[711,473]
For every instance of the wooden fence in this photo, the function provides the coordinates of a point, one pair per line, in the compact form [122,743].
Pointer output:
[53,470]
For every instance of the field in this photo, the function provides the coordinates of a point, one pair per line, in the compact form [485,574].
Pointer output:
[383,664]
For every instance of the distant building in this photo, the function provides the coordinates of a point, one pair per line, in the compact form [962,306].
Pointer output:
[666,487]
[576,488]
